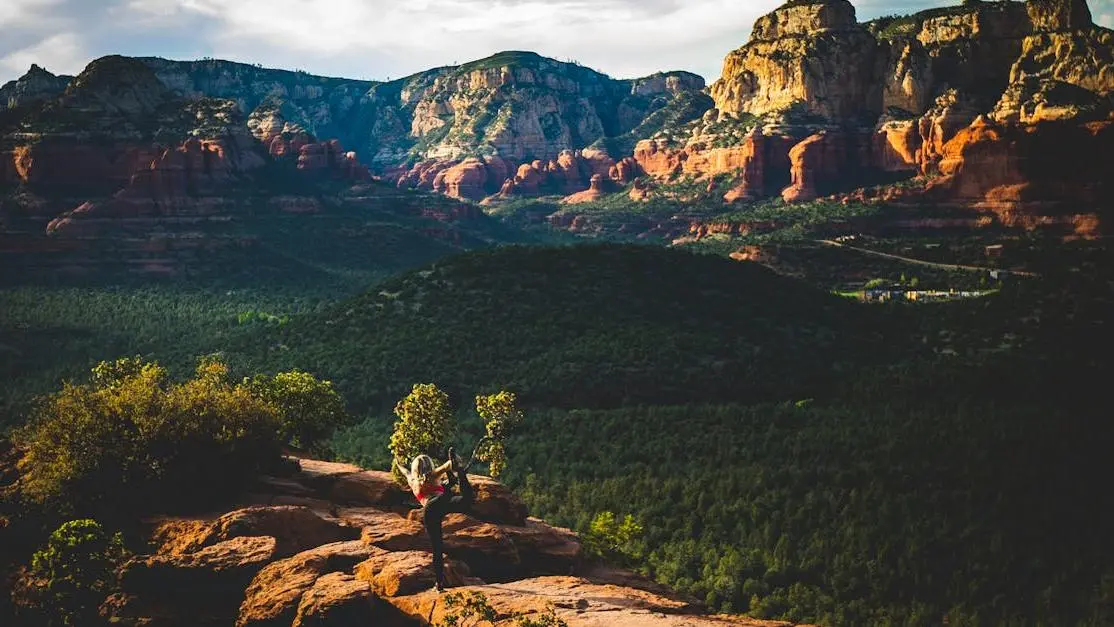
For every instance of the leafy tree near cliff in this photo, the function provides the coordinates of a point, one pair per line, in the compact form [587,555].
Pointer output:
[426,425]
[71,575]
[500,414]
[132,439]
[617,540]
[309,408]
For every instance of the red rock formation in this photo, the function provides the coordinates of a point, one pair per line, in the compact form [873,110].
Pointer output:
[826,161]
[813,159]
[474,178]
[897,147]
[640,191]
[1028,170]
[760,163]
[594,192]
[329,159]
[624,171]
[465,180]
[72,166]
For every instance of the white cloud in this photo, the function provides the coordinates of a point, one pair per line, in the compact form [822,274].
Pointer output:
[14,13]
[61,54]
[623,37]
[377,39]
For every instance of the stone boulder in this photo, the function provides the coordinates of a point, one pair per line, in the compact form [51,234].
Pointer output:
[546,549]
[347,484]
[408,572]
[336,599]
[496,502]
[210,581]
[274,594]
[294,529]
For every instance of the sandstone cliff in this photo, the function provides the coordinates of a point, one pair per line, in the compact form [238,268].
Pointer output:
[333,544]
[808,58]
[849,104]
[510,110]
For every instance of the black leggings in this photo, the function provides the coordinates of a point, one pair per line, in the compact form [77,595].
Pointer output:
[435,509]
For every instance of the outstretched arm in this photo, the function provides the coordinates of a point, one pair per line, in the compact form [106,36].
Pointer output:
[403,469]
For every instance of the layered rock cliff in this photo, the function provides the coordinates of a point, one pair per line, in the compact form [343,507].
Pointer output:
[122,172]
[835,104]
[807,58]
[814,104]
[510,110]
[320,106]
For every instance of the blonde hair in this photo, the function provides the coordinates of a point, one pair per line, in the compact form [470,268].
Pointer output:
[422,466]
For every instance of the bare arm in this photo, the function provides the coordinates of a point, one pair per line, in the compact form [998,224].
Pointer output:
[443,469]
[403,469]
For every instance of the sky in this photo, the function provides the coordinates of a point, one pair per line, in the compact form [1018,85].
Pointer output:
[384,39]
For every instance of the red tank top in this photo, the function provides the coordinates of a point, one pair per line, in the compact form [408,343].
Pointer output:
[426,493]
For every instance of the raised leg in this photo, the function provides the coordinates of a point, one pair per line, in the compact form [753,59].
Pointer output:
[462,503]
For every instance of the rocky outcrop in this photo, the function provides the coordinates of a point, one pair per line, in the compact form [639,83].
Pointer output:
[805,88]
[36,85]
[577,601]
[262,565]
[477,178]
[1059,15]
[760,164]
[319,106]
[336,599]
[595,191]
[1039,168]
[275,594]
[517,106]
[804,59]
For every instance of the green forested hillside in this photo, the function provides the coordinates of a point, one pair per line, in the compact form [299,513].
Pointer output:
[590,326]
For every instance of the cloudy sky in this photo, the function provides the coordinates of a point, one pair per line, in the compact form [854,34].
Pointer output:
[380,39]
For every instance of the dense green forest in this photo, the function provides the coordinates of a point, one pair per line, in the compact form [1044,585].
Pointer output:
[788,452]
[586,326]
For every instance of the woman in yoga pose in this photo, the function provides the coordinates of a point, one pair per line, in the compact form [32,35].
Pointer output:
[437,498]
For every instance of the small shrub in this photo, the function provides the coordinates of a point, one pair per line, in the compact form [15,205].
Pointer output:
[71,576]
[472,609]
[500,414]
[613,539]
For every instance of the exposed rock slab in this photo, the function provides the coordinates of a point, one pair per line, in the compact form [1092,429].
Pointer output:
[275,593]
[336,599]
[579,603]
